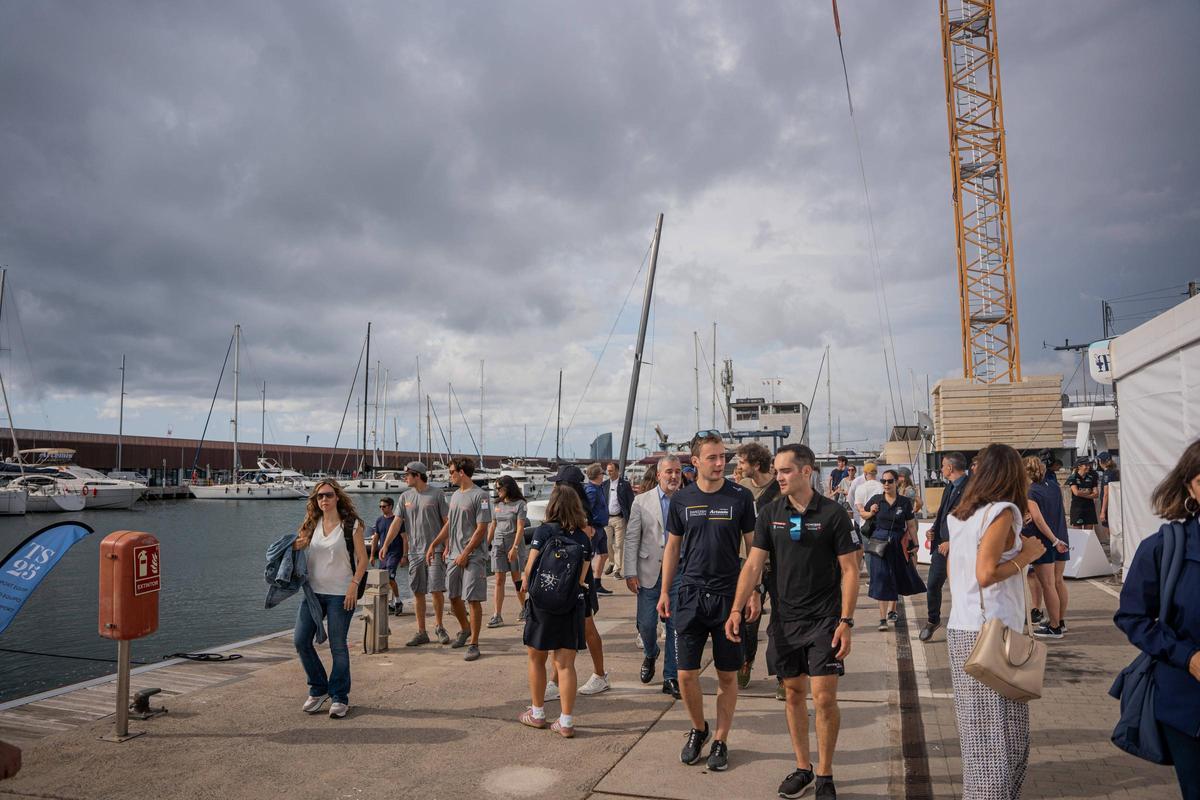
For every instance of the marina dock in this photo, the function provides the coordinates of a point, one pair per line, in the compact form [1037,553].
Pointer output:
[424,724]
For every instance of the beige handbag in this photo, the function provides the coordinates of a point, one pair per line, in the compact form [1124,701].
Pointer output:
[1012,664]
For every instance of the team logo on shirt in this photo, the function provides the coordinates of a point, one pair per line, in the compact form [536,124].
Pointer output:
[694,512]
[721,513]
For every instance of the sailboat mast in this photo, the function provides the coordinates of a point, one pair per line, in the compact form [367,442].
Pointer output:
[262,445]
[12,426]
[631,403]
[362,454]
[450,420]
[419,442]
[696,370]
[121,414]
[558,420]
[828,399]
[428,428]
[714,377]
[481,413]
[237,357]
[387,374]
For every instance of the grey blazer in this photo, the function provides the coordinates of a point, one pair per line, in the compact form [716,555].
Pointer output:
[643,539]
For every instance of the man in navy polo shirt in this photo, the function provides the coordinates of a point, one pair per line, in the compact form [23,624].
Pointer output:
[707,523]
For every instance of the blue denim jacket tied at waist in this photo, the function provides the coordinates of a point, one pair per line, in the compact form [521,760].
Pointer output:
[286,574]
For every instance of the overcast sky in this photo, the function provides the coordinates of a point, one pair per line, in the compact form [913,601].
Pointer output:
[481,180]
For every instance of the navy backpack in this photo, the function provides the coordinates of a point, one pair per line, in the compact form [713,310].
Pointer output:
[1137,731]
[555,579]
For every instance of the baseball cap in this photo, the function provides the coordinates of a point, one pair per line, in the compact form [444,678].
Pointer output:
[1104,456]
[416,466]
[1082,460]
[567,474]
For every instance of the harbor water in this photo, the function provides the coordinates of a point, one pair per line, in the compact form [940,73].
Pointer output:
[213,556]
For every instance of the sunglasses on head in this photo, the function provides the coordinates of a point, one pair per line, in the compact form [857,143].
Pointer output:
[702,434]
[326,495]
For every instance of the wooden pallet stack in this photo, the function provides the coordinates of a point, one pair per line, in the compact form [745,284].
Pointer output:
[969,416]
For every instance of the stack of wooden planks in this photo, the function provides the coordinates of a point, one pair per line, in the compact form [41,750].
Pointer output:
[970,416]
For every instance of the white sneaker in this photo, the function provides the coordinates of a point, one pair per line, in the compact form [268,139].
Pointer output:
[551,691]
[596,684]
[338,710]
[313,704]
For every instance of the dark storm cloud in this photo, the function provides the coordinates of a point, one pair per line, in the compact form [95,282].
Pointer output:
[487,171]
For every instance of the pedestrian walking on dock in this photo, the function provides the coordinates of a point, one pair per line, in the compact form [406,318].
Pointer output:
[1110,473]
[844,490]
[422,513]
[954,473]
[892,571]
[1056,517]
[461,542]
[905,488]
[988,559]
[619,495]
[810,545]
[1039,512]
[708,523]
[1171,636]
[644,540]
[597,510]
[506,540]
[332,535]
[393,559]
[1084,484]
[760,481]
[836,474]
[865,487]
[558,631]
[572,478]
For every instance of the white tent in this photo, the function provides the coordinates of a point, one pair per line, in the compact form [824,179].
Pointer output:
[1156,367]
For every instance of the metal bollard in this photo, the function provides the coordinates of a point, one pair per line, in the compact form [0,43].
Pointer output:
[375,598]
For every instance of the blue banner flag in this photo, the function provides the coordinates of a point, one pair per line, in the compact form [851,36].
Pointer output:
[23,569]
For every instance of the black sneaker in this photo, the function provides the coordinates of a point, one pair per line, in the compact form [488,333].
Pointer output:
[602,590]
[695,743]
[927,632]
[883,626]
[646,674]
[1036,615]
[795,784]
[825,790]
[1044,631]
[718,756]
[893,616]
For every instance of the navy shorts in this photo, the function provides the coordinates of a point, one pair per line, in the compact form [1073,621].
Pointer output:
[698,616]
[1064,556]
[600,541]
[809,650]
[1048,556]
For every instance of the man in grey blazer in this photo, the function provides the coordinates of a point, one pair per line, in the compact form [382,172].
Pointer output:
[645,535]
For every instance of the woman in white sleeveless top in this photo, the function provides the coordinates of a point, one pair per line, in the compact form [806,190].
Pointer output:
[332,536]
[988,557]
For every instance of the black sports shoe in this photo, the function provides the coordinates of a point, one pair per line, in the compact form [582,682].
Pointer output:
[601,589]
[893,616]
[671,687]
[695,743]
[1036,615]
[795,784]
[647,673]
[825,790]
[718,756]
[927,632]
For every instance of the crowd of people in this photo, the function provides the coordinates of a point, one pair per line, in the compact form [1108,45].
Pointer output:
[704,555]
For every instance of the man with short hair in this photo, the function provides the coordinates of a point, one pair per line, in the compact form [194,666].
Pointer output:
[460,537]
[836,474]
[954,473]
[1109,474]
[813,551]
[707,525]
[644,541]
[597,511]
[396,557]
[759,479]
[620,498]
[422,510]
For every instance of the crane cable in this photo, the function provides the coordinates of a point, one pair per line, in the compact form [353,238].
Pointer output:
[873,251]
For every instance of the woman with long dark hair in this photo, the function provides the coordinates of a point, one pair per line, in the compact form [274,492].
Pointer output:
[1171,636]
[987,564]
[506,537]
[332,536]
[559,634]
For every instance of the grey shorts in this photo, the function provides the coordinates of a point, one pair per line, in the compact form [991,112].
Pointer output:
[469,583]
[499,560]
[425,578]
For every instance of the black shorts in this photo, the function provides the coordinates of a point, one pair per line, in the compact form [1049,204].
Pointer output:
[698,615]
[600,541]
[1083,512]
[808,650]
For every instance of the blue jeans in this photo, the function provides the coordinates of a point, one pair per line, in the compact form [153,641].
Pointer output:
[647,625]
[1185,751]
[933,585]
[337,684]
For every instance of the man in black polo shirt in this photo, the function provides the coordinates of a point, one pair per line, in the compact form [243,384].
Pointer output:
[707,522]
[815,557]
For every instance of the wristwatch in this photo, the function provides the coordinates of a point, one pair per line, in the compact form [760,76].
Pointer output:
[761,589]
[847,621]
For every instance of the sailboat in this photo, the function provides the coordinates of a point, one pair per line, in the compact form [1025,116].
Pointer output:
[261,484]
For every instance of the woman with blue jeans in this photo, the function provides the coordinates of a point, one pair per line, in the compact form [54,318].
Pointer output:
[332,536]
[1171,636]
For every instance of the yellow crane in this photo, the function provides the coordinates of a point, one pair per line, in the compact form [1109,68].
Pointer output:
[991,348]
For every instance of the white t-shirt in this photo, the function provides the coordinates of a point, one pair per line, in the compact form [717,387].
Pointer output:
[864,492]
[328,562]
[1004,600]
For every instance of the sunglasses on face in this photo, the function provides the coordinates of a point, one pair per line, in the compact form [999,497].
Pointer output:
[326,495]
[887,481]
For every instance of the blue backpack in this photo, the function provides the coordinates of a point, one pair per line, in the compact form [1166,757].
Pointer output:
[555,579]
[1137,731]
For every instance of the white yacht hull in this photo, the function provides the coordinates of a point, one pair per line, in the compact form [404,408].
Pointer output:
[373,486]
[110,497]
[54,503]
[246,491]
[12,502]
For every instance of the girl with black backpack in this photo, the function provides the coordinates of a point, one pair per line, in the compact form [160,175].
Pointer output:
[557,575]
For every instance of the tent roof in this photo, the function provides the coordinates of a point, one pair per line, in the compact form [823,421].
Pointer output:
[1170,331]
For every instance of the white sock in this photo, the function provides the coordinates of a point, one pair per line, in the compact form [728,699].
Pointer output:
[551,683]
[566,720]
[538,712]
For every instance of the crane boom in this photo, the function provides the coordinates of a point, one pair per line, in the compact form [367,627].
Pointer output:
[982,201]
